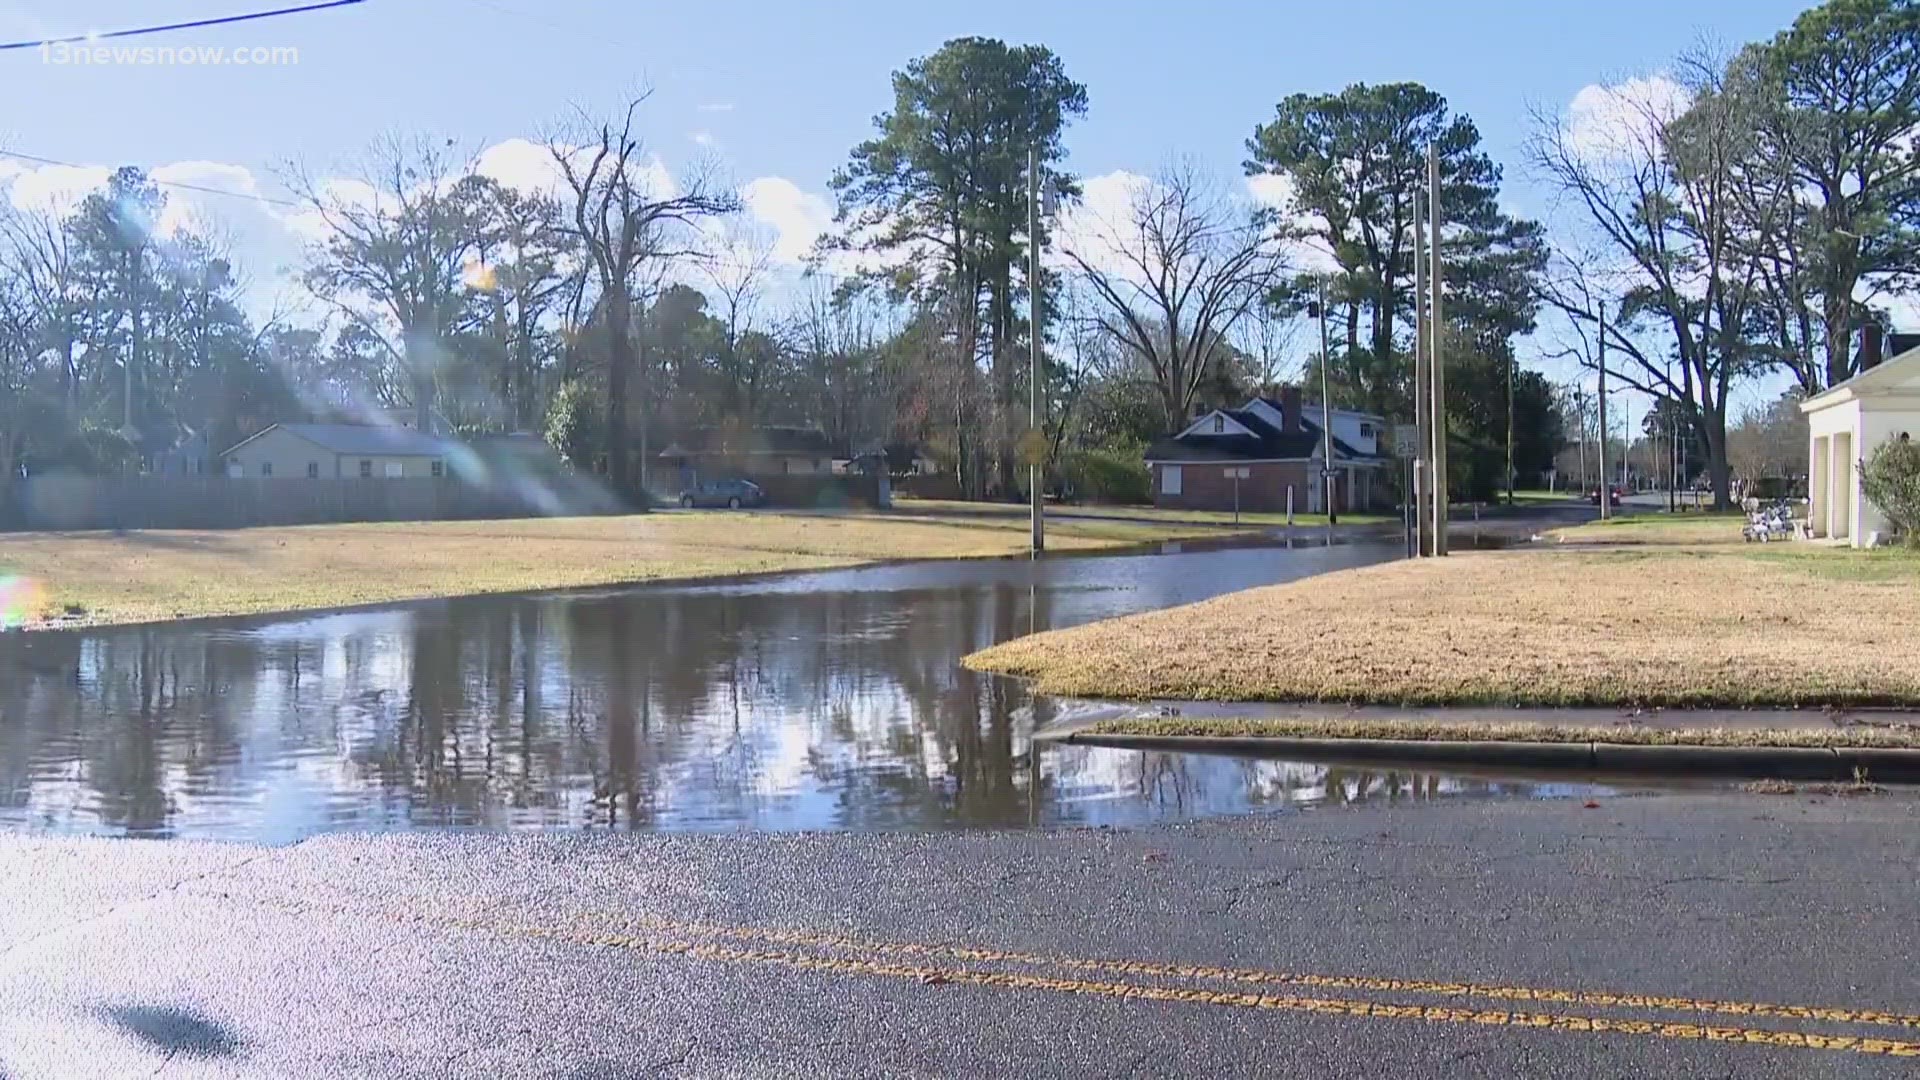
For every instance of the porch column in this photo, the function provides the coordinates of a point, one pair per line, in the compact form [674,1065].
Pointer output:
[1819,505]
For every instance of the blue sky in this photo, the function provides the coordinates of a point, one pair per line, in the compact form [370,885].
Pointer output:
[782,90]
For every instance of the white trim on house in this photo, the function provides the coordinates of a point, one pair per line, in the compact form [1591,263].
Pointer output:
[1230,461]
[1229,426]
[1874,378]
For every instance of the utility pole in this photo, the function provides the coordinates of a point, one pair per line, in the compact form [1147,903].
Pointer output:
[1436,333]
[1512,360]
[1422,387]
[1673,445]
[1626,445]
[1606,483]
[1326,415]
[1035,438]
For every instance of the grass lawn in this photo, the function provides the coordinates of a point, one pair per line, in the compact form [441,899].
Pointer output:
[1649,624]
[1547,498]
[1687,527]
[103,577]
[1069,511]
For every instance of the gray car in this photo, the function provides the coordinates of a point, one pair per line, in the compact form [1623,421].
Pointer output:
[732,494]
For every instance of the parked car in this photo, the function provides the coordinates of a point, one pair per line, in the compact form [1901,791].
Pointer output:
[732,494]
[1614,495]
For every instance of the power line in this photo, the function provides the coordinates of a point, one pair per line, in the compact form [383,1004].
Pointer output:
[183,185]
[195,24]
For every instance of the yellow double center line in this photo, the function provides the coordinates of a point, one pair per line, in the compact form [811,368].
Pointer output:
[886,959]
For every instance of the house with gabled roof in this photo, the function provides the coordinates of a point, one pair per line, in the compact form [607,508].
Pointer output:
[366,451]
[1272,450]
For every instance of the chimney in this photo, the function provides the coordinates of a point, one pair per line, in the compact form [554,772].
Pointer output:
[1290,409]
[1871,346]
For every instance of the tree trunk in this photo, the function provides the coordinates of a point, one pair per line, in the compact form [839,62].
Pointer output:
[619,359]
[1714,426]
[1000,306]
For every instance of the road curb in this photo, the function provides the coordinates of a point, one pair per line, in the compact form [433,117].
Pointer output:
[1782,762]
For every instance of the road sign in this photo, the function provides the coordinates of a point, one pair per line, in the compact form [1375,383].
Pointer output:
[1241,473]
[1406,441]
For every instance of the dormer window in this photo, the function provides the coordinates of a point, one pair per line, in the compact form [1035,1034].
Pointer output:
[1219,423]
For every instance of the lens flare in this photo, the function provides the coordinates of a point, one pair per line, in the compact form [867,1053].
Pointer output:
[20,600]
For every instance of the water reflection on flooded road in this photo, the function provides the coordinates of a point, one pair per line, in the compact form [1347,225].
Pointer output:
[823,701]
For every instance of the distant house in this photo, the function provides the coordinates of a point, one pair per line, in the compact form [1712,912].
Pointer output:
[1269,447]
[365,451]
[762,450]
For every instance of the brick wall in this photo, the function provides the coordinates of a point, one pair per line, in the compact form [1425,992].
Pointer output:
[1206,487]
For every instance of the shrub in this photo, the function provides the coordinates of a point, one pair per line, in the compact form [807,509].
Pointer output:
[1890,476]
[1110,476]
[573,424]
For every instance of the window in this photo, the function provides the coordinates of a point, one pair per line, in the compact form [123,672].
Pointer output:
[1366,430]
[395,470]
[236,470]
[1169,479]
[1219,423]
[439,467]
[366,469]
[313,470]
[266,468]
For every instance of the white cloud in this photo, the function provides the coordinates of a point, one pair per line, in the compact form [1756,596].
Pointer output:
[187,208]
[521,164]
[529,167]
[1098,227]
[717,106]
[56,188]
[1608,122]
[701,138]
[797,217]
[1271,190]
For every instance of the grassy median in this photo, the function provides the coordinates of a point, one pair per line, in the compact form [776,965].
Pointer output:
[96,578]
[1895,736]
[1653,624]
[1156,514]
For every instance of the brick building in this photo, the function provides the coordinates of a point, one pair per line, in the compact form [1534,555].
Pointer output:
[1274,445]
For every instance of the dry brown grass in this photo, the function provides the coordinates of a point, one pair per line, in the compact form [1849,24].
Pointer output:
[1068,512]
[1651,626]
[1445,731]
[95,578]
[1686,528]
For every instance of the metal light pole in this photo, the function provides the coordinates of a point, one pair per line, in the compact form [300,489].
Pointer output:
[1422,483]
[1035,438]
[1326,413]
[1673,445]
[1606,499]
[1436,334]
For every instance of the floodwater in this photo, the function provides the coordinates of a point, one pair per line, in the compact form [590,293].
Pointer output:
[818,701]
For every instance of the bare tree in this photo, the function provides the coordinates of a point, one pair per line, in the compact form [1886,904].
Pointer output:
[1174,277]
[1661,205]
[39,255]
[398,239]
[627,215]
[738,272]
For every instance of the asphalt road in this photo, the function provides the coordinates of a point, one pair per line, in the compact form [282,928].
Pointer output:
[1439,939]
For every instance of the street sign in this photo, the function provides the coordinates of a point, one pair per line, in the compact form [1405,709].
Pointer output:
[1406,441]
[1241,473]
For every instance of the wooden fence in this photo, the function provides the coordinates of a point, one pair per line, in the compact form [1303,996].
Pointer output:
[45,503]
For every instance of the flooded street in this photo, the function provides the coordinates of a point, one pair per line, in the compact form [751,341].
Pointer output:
[830,701]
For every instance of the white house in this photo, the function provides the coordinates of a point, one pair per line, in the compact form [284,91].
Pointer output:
[1845,424]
